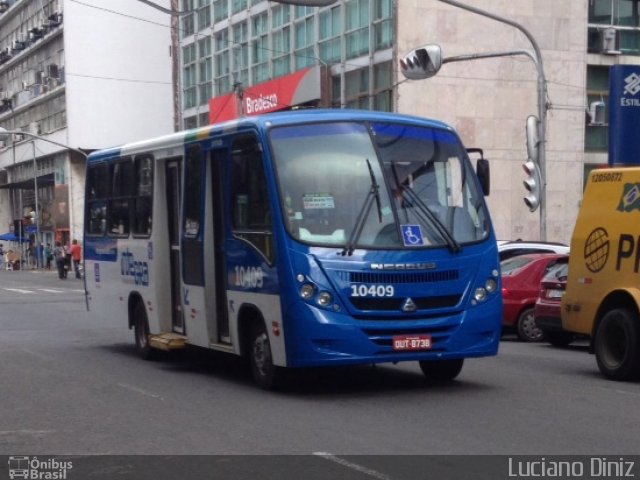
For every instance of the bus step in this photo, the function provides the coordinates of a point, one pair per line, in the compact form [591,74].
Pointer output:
[168,341]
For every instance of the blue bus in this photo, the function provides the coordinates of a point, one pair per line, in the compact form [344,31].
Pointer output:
[298,239]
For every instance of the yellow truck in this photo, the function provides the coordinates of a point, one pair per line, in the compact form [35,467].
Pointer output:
[602,297]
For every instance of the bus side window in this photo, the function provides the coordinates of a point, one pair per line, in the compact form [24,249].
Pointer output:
[98,191]
[252,219]
[143,200]
[122,176]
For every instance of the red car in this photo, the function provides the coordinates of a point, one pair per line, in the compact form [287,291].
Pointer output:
[521,278]
[547,309]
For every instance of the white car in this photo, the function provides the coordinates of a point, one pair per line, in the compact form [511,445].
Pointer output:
[508,249]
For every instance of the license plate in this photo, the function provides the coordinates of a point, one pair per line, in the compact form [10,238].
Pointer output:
[411,342]
[555,293]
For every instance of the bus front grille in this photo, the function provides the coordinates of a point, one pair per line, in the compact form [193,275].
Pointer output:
[400,277]
[395,304]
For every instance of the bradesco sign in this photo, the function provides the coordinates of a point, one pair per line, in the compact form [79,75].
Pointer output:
[280,94]
[624,114]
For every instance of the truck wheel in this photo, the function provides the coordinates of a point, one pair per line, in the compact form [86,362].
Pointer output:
[265,373]
[440,371]
[617,345]
[526,328]
[558,339]
[141,332]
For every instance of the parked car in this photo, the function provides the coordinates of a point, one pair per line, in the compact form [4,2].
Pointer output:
[508,249]
[521,276]
[547,308]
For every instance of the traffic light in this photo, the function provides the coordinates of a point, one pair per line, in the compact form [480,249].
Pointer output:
[421,63]
[533,184]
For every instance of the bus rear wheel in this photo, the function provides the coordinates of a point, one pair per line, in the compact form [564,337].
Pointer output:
[265,374]
[617,345]
[141,332]
[440,371]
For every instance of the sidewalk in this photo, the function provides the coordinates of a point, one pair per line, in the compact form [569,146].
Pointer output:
[41,271]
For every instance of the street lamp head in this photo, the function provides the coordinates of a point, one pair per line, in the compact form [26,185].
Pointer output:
[423,62]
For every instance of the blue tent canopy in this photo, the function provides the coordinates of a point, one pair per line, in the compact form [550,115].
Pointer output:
[11,237]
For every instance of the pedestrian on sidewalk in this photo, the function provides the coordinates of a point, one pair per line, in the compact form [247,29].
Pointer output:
[48,255]
[60,256]
[76,257]
[40,255]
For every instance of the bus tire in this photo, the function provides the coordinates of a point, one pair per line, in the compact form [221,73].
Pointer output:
[141,332]
[617,345]
[265,374]
[526,328]
[440,371]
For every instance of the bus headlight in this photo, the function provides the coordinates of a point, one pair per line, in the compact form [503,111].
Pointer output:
[325,299]
[307,291]
[480,294]
[491,285]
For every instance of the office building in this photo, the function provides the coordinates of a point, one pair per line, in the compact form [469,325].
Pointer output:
[87,75]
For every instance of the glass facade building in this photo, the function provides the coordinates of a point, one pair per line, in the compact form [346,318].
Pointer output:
[231,44]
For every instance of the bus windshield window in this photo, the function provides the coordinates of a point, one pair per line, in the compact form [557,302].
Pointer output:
[428,169]
[327,172]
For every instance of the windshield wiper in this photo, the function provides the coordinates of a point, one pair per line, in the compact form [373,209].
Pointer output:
[374,194]
[432,218]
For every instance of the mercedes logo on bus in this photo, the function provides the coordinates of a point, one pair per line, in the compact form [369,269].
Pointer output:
[409,306]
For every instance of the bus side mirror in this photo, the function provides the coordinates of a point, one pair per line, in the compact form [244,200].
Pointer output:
[483,173]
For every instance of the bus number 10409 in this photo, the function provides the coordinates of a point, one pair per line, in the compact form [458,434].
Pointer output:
[372,290]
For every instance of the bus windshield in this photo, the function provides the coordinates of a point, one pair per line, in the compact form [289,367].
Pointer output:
[377,185]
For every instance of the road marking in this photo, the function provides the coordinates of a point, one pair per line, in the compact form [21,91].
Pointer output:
[353,466]
[139,390]
[24,291]
[19,290]
[27,433]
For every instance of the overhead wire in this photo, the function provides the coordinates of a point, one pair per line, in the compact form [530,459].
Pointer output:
[230,43]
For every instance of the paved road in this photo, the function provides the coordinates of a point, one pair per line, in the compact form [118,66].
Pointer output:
[72,386]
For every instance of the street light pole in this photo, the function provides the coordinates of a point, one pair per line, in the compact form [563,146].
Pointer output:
[37,210]
[542,105]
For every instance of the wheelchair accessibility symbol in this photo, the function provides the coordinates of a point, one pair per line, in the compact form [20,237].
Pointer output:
[412,236]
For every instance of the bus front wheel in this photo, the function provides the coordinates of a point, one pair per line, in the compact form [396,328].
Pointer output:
[265,373]
[141,332]
[439,371]
[617,345]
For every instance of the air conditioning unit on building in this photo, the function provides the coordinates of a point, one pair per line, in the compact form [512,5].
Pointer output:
[597,113]
[55,19]
[17,45]
[52,70]
[610,41]
[51,82]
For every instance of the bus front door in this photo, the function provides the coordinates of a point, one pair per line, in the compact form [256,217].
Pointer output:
[173,211]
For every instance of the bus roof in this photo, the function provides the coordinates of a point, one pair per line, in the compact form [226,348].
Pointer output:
[261,121]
